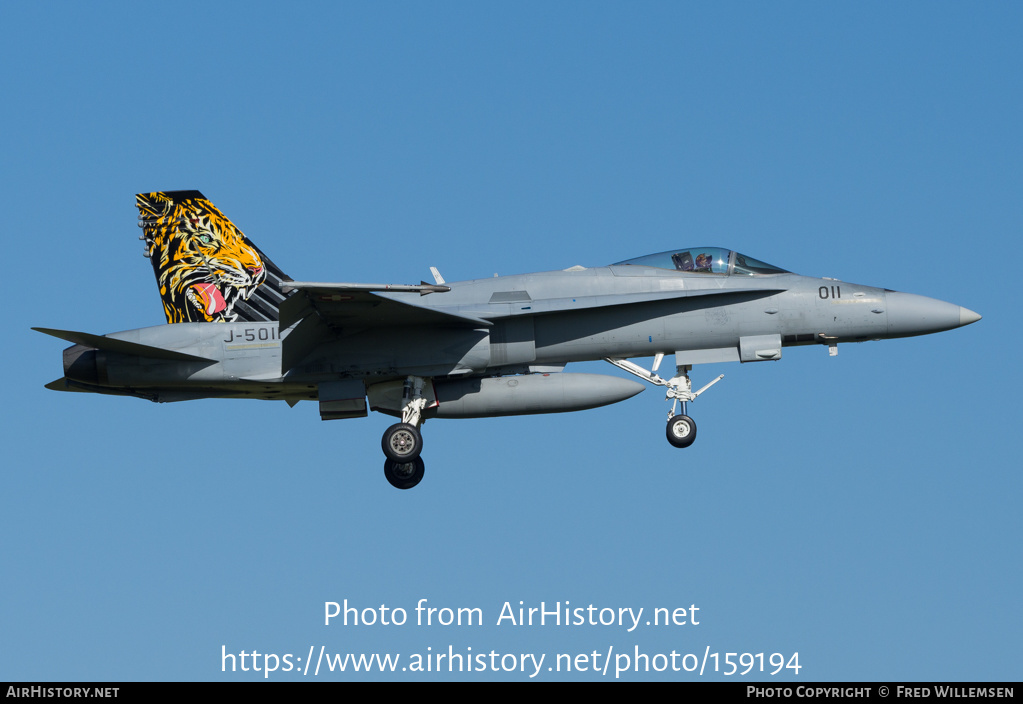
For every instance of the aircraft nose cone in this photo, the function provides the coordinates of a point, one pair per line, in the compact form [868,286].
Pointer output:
[910,314]
[967,316]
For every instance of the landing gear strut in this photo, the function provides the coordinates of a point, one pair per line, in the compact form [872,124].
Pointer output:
[681,430]
[403,442]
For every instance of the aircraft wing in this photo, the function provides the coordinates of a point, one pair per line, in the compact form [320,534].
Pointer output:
[360,305]
[320,311]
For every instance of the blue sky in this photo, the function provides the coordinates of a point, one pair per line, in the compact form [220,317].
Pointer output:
[862,511]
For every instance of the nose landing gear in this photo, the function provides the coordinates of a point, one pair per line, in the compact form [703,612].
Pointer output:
[681,430]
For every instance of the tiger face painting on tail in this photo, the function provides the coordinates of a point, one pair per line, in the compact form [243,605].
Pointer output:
[204,264]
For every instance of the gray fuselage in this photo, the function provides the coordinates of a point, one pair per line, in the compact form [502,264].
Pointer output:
[539,321]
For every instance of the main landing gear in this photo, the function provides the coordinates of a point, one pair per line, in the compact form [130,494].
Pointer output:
[403,442]
[404,475]
[681,430]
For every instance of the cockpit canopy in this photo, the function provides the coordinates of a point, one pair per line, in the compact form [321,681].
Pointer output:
[705,260]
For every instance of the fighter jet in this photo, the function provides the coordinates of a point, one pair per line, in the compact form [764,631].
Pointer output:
[238,327]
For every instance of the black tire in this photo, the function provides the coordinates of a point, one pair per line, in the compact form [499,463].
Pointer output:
[404,475]
[402,442]
[681,431]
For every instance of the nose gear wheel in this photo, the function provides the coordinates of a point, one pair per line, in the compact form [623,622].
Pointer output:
[681,431]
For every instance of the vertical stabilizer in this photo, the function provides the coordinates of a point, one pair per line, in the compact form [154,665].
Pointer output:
[207,270]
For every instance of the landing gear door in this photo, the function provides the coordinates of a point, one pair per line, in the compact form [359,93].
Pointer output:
[342,399]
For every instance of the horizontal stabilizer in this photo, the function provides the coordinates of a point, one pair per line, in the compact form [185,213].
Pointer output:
[112,344]
[61,384]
